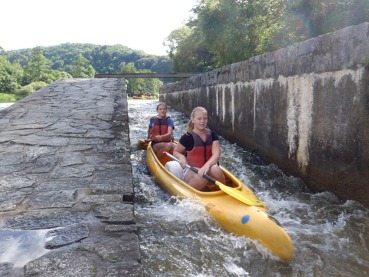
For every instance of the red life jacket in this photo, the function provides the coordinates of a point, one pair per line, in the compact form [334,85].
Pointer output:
[201,151]
[160,127]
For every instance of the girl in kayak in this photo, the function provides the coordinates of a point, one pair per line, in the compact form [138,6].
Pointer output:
[200,148]
[160,131]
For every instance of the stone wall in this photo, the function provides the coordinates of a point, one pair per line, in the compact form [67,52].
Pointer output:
[66,183]
[304,107]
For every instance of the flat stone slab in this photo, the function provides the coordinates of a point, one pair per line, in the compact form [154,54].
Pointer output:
[10,200]
[43,219]
[53,199]
[115,213]
[8,182]
[66,235]
[66,184]
[62,184]
[97,256]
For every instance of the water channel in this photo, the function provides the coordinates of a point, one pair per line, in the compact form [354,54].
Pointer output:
[178,237]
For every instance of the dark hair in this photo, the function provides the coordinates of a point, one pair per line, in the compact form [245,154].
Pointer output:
[161,104]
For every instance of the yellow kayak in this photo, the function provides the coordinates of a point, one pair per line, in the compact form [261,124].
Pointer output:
[252,221]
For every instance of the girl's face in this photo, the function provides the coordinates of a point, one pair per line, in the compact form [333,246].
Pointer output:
[200,120]
[162,111]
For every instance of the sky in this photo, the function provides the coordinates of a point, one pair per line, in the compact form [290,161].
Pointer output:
[137,24]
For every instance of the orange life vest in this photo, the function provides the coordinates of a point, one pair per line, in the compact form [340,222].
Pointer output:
[160,127]
[201,151]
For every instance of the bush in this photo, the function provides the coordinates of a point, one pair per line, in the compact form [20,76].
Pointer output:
[29,89]
[38,85]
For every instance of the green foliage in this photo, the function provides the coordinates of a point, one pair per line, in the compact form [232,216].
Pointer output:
[104,59]
[29,89]
[38,85]
[222,32]
[7,98]
[81,68]
[10,76]
[146,87]
[188,51]
[38,68]
[20,69]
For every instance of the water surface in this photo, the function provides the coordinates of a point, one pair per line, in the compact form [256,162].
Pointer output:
[179,238]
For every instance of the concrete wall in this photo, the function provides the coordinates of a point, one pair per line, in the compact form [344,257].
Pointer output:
[304,107]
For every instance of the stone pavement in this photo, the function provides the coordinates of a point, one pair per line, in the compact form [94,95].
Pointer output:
[66,189]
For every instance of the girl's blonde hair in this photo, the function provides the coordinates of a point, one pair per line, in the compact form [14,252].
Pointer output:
[194,111]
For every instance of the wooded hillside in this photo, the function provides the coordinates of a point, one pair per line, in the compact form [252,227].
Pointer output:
[26,70]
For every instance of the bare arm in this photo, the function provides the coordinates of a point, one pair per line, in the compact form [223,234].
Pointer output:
[179,152]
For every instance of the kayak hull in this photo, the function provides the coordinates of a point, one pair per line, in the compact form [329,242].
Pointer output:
[235,216]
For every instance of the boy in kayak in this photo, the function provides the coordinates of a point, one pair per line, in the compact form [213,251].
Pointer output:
[160,131]
[200,148]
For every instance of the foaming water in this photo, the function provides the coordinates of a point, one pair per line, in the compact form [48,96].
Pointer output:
[18,247]
[179,238]
[5,105]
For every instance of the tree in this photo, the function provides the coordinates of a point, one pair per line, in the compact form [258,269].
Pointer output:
[47,64]
[10,75]
[228,31]
[81,68]
[133,86]
[38,68]
[223,32]
[188,50]
[140,86]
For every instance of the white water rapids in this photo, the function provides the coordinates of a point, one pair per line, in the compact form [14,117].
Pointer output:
[178,237]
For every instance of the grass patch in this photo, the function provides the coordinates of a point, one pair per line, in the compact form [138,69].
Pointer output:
[7,98]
